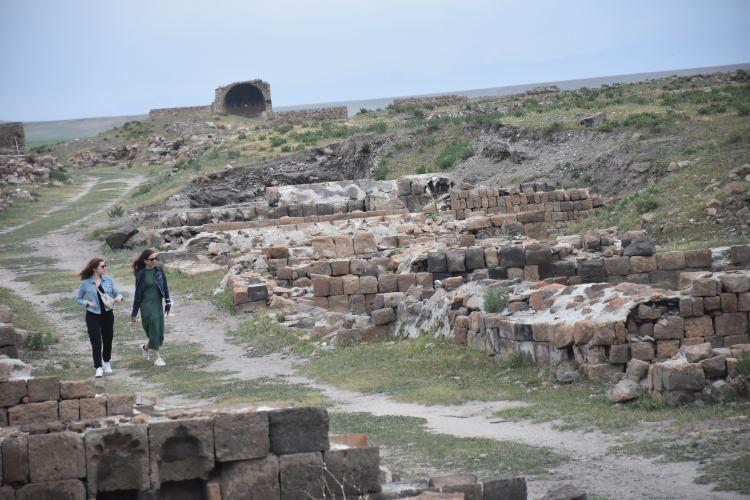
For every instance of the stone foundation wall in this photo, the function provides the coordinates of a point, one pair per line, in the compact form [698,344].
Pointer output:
[178,111]
[297,116]
[437,100]
[12,138]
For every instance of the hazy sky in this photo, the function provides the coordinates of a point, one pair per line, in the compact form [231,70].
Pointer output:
[77,58]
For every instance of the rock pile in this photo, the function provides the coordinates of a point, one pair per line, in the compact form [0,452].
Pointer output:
[20,174]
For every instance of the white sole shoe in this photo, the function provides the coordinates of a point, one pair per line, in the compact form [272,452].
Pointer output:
[99,373]
[160,362]
[107,368]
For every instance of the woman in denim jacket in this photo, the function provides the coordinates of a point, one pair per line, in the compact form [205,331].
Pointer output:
[99,320]
[150,289]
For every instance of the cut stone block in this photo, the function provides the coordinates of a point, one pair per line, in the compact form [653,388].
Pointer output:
[69,410]
[70,489]
[241,436]
[181,450]
[77,389]
[12,392]
[682,376]
[43,389]
[669,327]
[383,316]
[505,489]
[120,404]
[456,260]
[251,479]
[92,408]
[302,476]
[56,456]
[33,413]
[117,458]
[355,470]
[298,430]
[731,324]
[15,462]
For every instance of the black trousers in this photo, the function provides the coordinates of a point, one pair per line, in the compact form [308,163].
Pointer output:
[100,327]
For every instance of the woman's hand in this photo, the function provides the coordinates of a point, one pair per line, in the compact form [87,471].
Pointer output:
[89,303]
[167,309]
[118,299]
[132,319]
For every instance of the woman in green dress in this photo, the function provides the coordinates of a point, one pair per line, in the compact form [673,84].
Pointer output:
[150,289]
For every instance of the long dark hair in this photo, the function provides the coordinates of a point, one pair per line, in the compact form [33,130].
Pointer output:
[87,271]
[140,263]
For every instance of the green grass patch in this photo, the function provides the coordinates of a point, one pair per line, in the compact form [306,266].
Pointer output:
[44,199]
[262,334]
[27,316]
[457,151]
[52,281]
[196,287]
[427,370]
[218,386]
[408,448]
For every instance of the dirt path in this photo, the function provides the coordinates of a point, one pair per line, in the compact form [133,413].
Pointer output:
[200,321]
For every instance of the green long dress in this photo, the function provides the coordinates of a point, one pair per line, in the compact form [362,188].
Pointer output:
[152,314]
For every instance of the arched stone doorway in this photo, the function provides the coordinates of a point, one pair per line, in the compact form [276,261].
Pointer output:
[250,99]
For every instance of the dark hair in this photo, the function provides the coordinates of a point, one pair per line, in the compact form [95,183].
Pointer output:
[87,271]
[139,263]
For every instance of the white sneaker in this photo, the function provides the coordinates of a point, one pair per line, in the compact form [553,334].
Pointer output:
[146,353]
[160,362]
[107,367]
[99,372]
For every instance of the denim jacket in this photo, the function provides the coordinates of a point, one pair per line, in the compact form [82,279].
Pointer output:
[140,287]
[88,292]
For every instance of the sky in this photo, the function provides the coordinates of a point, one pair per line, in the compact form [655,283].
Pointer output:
[83,58]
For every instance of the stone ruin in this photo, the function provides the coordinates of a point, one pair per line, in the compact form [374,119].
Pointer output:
[12,138]
[362,261]
[251,99]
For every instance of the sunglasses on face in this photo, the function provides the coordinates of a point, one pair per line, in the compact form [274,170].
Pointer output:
[152,259]
[102,265]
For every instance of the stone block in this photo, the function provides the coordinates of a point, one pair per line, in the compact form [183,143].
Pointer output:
[619,266]
[636,369]
[364,242]
[699,326]
[714,367]
[452,283]
[56,456]
[592,270]
[743,302]
[321,286]
[357,304]
[387,282]
[731,324]
[511,257]
[77,389]
[474,258]
[338,303]
[33,413]
[302,476]
[69,489]
[405,281]
[679,375]
[667,348]
[698,259]
[368,285]
[670,261]
[335,286]
[120,404]
[241,436]
[257,292]
[456,260]
[355,470]
[43,389]
[344,246]
[12,392]
[735,283]
[323,247]
[491,258]
[642,246]
[437,262]
[739,254]
[8,493]
[92,407]
[603,372]
[619,354]
[664,279]
[669,327]
[117,458]
[513,488]
[706,287]
[733,340]
[383,316]
[69,410]
[646,312]
[298,430]
[538,255]
[15,459]
[181,449]
[697,352]
[251,479]
[640,264]
[728,302]
[339,267]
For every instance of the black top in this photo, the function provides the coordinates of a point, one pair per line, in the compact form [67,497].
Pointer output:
[102,309]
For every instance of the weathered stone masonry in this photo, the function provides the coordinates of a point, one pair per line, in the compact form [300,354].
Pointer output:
[12,138]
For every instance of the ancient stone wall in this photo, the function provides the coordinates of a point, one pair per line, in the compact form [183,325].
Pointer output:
[437,100]
[178,112]
[12,138]
[253,99]
[297,116]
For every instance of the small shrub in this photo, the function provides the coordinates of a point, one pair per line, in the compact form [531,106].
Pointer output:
[283,129]
[59,175]
[380,172]
[39,341]
[116,211]
[211,154]
[286,148]
[141,190]
[242,136]
[495,300]
[552,128]
[453,153]
[743,366]
[732,138]
[421,170]
[277,141]
[742,110]
[233,153]
[363,111]
[280,317]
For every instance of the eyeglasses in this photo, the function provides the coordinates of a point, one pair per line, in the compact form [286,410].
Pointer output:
[102,265]
[153,259]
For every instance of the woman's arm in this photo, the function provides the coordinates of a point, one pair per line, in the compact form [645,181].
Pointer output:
[167,300]
[137,295]
[117,292]
[81,296]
